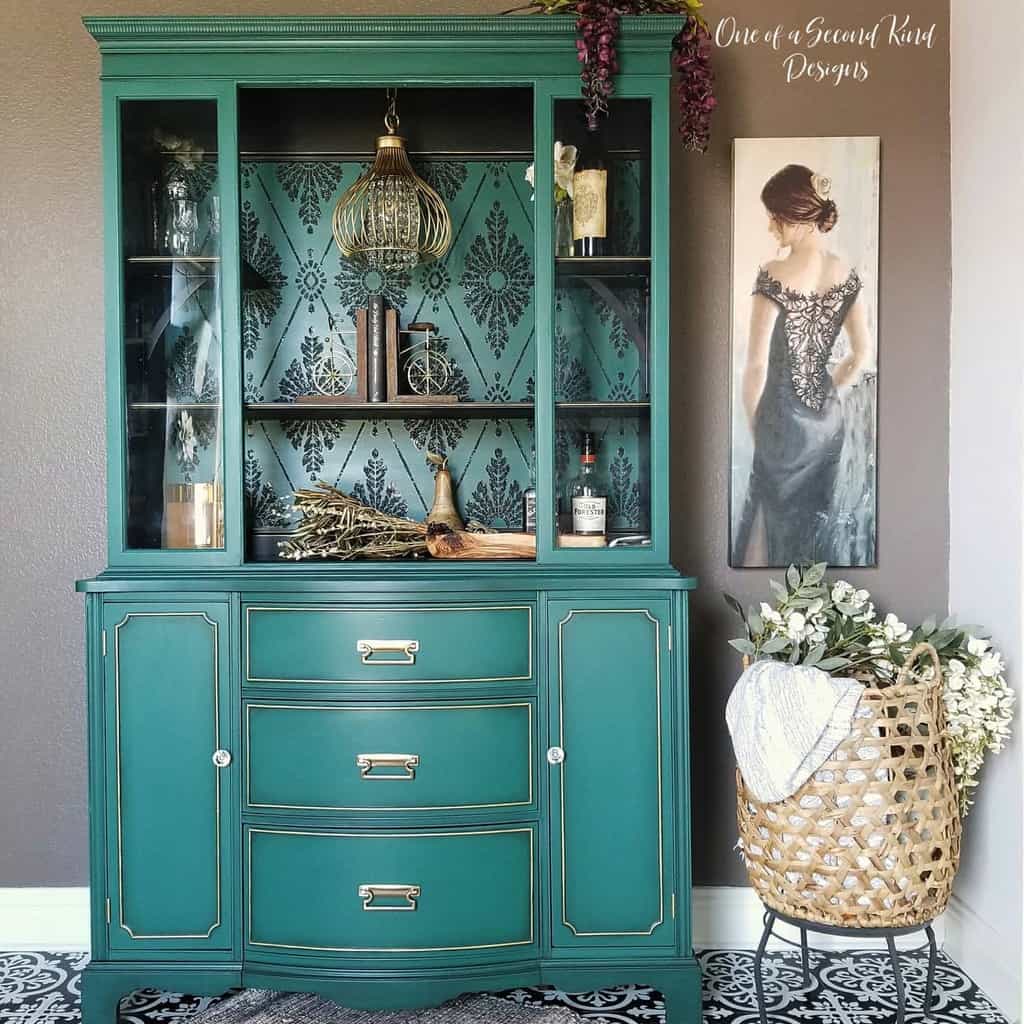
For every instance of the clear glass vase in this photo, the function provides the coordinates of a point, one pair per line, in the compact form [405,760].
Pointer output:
[563,227]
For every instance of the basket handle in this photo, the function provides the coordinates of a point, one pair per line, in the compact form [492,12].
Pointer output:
[922,648]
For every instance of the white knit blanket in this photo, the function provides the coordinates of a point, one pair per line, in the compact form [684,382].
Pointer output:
[785,721]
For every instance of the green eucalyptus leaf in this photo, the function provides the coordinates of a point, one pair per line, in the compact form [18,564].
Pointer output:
[927,627]
[743,646]
[776,644]
[778,590]
[816,573]
[814,655]
[755,623]
[949,622]
[831,664]
[794,656]
[847,609]
[793,577]
[733,604]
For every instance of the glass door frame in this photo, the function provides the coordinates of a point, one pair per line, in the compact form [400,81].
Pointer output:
[223,93]
[547,92]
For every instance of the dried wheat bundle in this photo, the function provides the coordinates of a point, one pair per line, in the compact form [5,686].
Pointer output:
[336,525]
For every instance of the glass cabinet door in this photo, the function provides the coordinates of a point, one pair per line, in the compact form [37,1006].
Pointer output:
[603,358]
[170,238]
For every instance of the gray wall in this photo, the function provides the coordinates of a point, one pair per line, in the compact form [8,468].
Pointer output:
[51,387]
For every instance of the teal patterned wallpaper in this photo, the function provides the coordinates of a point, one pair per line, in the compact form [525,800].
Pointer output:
[481,298]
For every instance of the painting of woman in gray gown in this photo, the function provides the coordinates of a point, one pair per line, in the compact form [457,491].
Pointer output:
[803,485]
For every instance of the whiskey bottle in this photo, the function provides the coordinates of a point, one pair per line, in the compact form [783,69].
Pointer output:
[530,500]
[590,199]
[588,493]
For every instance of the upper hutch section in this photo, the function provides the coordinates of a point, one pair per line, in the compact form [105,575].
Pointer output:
[237,337]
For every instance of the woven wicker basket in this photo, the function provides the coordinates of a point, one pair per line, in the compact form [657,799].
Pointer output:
[872,839]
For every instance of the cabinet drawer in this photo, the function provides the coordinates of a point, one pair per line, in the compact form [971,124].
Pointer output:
[390,892]
[372,757]
[386,644]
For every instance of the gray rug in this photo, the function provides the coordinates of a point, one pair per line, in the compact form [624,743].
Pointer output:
[259,1006]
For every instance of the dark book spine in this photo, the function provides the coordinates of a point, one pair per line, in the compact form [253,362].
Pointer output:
[376,375]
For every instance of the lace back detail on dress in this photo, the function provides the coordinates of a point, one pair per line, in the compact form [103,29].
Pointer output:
[812,324]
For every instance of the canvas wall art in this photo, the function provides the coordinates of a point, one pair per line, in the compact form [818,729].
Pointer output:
[804,351]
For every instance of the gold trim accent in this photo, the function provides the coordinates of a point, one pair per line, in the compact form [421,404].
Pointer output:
[528,608]
[369,891]
[117,748]
[561,774]
[387,707]
[250,941]
[408,648]
[407,762]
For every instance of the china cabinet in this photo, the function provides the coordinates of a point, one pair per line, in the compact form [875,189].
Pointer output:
[389,782]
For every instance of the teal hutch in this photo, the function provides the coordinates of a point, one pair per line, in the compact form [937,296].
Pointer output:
[389,782]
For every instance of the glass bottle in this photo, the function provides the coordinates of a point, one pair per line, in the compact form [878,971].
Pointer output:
[588,493]
[590,198]
[530,499]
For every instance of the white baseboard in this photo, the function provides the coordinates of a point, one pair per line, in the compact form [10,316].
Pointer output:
[44,919]
[724,917]
[986,956]
[731,917]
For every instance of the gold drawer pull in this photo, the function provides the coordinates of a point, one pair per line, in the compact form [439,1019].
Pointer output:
[409,893]
[407,648]
[367,762]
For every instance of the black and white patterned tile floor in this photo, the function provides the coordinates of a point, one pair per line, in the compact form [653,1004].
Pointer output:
[849,988]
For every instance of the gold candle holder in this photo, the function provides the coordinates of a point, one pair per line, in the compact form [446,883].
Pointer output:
[194,515]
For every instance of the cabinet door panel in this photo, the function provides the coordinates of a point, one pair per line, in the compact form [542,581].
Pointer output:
[612,867]
[167,680]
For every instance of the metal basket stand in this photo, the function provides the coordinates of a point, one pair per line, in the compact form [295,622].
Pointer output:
[889,934]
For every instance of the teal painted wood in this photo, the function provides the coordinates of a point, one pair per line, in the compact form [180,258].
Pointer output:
[433,643]
[456,757]
[433,48]
[115,94]
[169,875]
[402,580]
[611,714]
[170,713]
[431,893]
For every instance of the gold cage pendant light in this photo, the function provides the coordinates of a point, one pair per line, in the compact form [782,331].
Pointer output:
[391,218]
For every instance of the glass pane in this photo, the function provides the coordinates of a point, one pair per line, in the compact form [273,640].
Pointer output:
[172,324]
[459,378]
[602,328]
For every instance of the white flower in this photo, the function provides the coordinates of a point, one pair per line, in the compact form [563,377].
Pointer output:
[565,166]
[955,681]
[860,598]
[796,626]
[769,614]
[991,665]
[841,591]
[869,611]
[957,667]
[977,646]
[895,631]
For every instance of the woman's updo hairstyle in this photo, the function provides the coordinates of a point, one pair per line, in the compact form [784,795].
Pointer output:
[799,196]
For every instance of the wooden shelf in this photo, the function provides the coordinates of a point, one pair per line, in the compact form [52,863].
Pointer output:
[415,410]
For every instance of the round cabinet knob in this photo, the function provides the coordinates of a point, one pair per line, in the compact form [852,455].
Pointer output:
[556,755]
[222,758]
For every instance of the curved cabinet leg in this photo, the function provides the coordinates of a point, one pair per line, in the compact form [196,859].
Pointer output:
[101,995]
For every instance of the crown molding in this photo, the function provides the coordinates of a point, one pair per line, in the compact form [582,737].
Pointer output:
[342,28]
